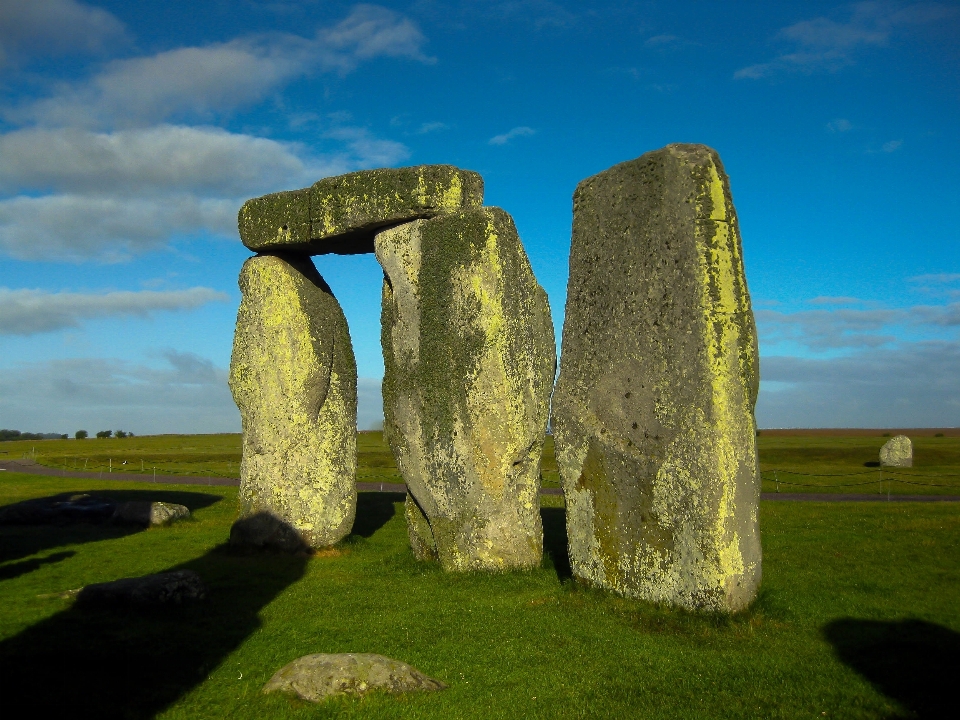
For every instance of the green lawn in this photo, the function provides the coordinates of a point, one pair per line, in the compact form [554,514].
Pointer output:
[800,462]
[858,618]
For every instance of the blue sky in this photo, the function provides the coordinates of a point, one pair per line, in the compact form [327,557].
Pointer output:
[130,133]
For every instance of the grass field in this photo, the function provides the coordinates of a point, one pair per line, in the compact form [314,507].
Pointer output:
[792,462]
[858,618]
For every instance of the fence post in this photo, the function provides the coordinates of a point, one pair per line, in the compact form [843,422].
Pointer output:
[776,477]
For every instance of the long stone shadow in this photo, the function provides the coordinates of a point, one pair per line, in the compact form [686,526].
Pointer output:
[133,662]
[374,510]
[911,661]
[21,536]
[555,540]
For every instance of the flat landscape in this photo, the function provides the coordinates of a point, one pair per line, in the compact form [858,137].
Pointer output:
[857,616]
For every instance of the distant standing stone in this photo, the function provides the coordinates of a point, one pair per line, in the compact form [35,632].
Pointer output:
[897,452]
[469,360]
[315,677]
[341,214]
[653,411]
[294,378]
[167,588]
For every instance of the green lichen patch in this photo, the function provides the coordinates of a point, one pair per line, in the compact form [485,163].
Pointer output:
[294,379]
[469,362]
[653,411]
[341,214]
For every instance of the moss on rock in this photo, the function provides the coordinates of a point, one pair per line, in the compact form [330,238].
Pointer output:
[653,411]
[341,214]
[469,362]
[294,378]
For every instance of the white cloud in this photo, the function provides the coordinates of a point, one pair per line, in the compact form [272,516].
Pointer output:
[187,394]
[430,127]
[47,27]
[183,393]
[839,125]
[892,146]
[81,227]
[521,131]
[826,45]
[28,312]
[202,81]
[906,385]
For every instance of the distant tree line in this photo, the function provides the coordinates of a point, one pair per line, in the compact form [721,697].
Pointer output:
[17,435]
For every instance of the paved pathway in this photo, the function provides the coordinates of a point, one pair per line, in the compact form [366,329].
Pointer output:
[27,465]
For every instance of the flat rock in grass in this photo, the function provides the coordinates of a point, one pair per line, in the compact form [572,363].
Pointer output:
[341,214]
[653,411]
[897,452]
[469,358]
[316,677]
[294,378]
[149,514]
[169,588]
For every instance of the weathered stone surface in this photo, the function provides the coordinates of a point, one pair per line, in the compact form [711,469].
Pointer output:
[897,452]
[469,361]
[341,214]
[265,531]
[315,677]
[294,378]
[150,514]
[653,411]
[166,588]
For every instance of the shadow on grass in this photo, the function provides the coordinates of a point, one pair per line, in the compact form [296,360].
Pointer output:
[135,662]
[22,539]
[15,570]
[555,541]
[374,510]
[911,661]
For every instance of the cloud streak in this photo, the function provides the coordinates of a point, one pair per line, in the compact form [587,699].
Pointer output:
[521,131]
[827,45]
[29,312]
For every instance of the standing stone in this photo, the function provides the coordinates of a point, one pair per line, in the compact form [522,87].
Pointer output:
[897,452]
[469,361]
[294,378]
[342,214]
[653,411]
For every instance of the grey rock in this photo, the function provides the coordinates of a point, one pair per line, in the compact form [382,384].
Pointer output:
[169,588]
[469,361]
[315,677]
[294,378]
[897,452]
[653,410]
[59,510]
[149,514]
[266,531]
[341,214]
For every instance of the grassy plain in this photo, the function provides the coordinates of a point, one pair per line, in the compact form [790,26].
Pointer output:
[794,462]
[858,618]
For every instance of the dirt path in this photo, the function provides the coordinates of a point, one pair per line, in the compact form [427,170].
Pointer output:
[26,465]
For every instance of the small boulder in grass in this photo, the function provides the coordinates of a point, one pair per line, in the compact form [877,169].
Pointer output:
[316,677]
[170,588]
[149,514]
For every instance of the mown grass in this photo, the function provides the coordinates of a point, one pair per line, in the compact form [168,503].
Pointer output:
[790,463]
[858,618]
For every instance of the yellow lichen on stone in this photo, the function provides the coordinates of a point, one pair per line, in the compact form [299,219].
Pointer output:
[293,377]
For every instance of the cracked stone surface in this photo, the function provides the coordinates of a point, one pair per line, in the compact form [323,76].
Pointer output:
[897,452]
[653,410]
[469,360]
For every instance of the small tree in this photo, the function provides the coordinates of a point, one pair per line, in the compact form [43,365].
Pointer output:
[104,433]
[120,434]
[80,435]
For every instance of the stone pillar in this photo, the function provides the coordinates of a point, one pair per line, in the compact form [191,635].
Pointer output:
[653,410]
[469,360]
[294,378]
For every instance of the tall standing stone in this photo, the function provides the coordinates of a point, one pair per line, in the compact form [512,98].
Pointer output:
[469,360]
[653,411]
[294,378]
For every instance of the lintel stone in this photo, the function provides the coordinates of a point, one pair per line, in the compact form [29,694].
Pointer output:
[342,214]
